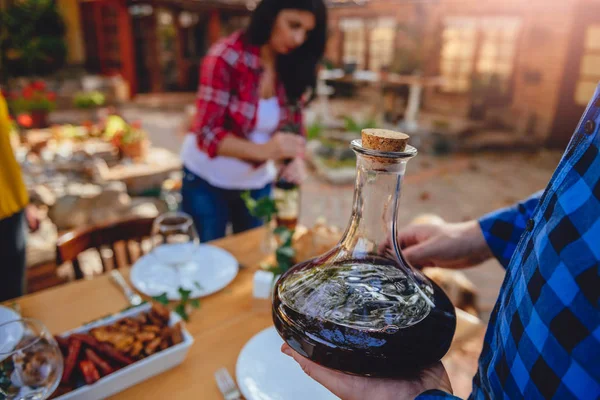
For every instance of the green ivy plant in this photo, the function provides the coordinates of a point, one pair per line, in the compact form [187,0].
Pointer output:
[184,305]
[265,208]
[285,253]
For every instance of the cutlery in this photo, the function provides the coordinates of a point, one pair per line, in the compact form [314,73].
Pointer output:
[227,386]
[117,278]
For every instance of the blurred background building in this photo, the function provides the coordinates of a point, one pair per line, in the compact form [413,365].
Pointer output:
[533,64]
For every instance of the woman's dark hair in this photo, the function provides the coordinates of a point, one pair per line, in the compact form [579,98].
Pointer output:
[297,70]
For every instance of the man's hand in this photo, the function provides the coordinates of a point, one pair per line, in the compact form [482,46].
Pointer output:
[350,387]
[445,245]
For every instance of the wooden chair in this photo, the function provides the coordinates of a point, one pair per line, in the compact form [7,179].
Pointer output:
[129,232]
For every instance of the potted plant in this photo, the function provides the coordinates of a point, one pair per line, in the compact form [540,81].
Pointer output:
[130,139]
[33,100]
[89,100]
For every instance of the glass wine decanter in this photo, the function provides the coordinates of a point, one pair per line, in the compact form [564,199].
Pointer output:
[361,308]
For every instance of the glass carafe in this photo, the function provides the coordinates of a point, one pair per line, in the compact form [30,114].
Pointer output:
[361,308]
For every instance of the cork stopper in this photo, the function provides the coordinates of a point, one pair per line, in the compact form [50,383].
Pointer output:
[384,140]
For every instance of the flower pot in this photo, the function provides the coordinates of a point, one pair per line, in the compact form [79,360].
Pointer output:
[136,150]
[39,119]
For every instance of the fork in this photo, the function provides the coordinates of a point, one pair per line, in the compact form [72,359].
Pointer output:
[133,298]
[226,385]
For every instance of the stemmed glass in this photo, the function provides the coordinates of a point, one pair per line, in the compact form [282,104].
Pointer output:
[174,241]
[31,364]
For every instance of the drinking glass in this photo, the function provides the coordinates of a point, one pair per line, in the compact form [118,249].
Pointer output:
[31,364]
[174,241]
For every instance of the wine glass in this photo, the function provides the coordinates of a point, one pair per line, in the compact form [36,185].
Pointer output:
[174,241]
[31,364]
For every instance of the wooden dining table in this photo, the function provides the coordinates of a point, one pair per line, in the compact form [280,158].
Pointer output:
[221,326]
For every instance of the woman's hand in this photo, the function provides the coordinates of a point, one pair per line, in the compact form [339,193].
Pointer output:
[294,172]
[445,245]
[284,146]
[31,216]
[281,146]
[350,387]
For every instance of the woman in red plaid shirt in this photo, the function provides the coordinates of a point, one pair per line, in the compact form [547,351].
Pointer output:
[249,113]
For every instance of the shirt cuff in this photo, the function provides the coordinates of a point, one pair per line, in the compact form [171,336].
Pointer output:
[436,394]
[208,140]
[503,228]
[501,234]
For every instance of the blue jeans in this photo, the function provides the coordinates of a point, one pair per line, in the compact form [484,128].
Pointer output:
[12,250]
[212,208]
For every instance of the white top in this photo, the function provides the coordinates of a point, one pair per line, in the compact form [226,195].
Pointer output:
[233,173]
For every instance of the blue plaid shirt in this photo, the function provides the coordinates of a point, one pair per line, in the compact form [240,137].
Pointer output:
[543,339]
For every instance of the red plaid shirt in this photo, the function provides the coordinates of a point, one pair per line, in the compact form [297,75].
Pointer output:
[227,99]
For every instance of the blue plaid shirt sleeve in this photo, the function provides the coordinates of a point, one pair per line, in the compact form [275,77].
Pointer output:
[503,228]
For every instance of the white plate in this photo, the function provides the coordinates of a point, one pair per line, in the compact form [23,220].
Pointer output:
[216,268]
[263,372]
[16,331]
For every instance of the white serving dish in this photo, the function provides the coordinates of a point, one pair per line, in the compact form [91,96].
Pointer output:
[137,372]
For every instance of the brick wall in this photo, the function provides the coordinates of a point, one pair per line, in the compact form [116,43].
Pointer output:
[540,56]
[402,11]
[540,65]
[541,51]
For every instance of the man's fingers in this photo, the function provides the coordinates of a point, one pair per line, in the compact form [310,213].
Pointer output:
[335,381]
[415,234]
[421,254]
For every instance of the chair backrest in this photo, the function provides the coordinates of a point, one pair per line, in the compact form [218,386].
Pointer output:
[129,232]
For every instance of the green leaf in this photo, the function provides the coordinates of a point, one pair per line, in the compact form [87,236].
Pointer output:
[180,309]
[162,299]
[195,303]
[249,201]
[351,125]
[198,285]
[315,130]
[263,208]
[276,270]
[280,230]
[185,294]
[286,251]
[285,235]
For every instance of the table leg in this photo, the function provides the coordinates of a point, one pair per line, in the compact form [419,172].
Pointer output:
[412,110]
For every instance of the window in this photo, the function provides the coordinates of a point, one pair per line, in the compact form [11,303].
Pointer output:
[589,70]
[381,43]
[458,50]
[493,39]
[497,51]
[354,41]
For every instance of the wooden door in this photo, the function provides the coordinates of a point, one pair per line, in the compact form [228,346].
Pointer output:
[146,52]
[581,75]
[106,26]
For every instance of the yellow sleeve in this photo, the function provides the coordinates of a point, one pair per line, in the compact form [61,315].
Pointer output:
[13,193]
